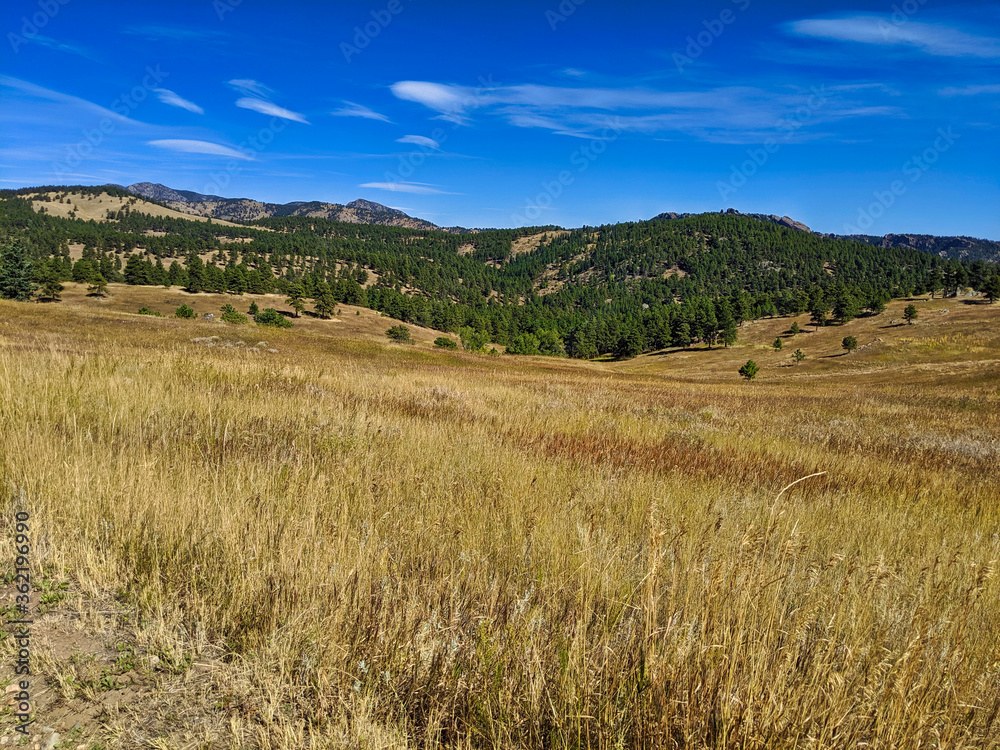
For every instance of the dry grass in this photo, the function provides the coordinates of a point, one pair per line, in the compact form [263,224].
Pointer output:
[387,546]
[96,207]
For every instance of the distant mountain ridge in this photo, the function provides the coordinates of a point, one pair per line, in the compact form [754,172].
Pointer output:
[362,211]
[246,209]
[961,248]
[958,248]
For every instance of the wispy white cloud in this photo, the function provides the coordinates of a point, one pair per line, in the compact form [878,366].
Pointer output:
[418,188]
[420,140]
[72,49]
[933,39]
[258,99]
[733,114]
[176,33]
[32,91]
[174,100]
[269,108]
[351,109]
[250,86]
[970,90]
[449,100]
[200,147]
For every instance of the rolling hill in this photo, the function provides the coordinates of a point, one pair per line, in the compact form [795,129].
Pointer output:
[959,248]
[620,289]
[247,210]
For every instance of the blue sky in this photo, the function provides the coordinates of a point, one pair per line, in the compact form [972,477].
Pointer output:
[871,116]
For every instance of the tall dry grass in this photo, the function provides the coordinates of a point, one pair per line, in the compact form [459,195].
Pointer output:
[395,548]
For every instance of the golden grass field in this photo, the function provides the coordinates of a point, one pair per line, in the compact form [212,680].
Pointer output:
[96,207]
[349,543]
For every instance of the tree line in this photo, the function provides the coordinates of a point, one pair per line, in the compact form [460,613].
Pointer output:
[619,289]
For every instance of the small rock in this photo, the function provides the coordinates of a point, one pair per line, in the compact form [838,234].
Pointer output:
[51,742]
[208,316]
[12,689]
[262,343]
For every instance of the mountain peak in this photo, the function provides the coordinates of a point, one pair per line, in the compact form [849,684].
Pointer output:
[359,211]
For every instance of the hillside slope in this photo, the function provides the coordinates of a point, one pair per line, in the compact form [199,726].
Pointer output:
[616,290]
[248,210]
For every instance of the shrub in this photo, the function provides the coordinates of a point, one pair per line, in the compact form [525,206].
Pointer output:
[749,370]
[525,343]
[473,340]
[849,343]
[231,315]
[778,345]
[99,287]
[271,317]
[798,356]
[551,344]
[184,312]
[147,311]
[253,309]
[443,342]
[399,333]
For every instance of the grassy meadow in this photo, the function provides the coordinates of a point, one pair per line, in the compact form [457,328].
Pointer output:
[333,541]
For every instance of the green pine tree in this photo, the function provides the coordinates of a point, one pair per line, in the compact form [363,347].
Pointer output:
[15,274]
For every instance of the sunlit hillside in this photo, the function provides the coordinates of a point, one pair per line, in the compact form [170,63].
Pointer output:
[333,540]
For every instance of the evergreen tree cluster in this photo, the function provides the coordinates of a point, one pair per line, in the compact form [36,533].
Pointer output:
[617,290]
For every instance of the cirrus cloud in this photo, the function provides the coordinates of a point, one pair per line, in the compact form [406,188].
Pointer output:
[417,188]
[250,86]
[970,90]
[271,109]
[174,100]
[351,109]
[420,140]
[200,147]
[728,114]
[933,39]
